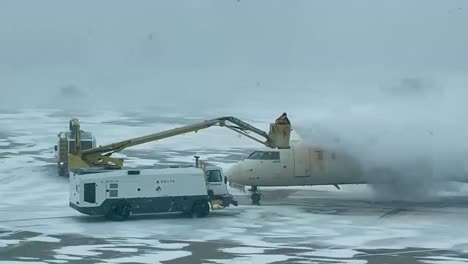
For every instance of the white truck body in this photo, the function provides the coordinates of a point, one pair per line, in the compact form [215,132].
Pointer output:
[146,191]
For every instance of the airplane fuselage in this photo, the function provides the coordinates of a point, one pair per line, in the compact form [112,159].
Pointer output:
[297,166]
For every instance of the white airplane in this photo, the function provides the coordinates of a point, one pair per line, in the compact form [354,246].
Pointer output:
[299,165]
[303,165]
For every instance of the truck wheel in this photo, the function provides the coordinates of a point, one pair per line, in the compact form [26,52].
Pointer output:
[201,209]
[119,212]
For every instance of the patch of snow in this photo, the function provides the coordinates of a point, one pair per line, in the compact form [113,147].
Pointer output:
[157,243]
[7,242]
[443,259]
[194,240]
[44,239]
[249,240]
[328,260]
[154,258]
[244,250]
[81,250]
[21,262]
[332,253]
[187,159]
[257,259]
[66,257]
[121,249]
[92,250]
[233,230]
[275,235]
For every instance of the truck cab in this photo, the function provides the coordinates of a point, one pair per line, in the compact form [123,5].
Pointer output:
[66,145]
[216,184]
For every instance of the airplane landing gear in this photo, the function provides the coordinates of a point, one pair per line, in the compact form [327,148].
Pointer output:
[256,195]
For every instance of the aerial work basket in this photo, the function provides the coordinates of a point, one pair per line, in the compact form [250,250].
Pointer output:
[280,134]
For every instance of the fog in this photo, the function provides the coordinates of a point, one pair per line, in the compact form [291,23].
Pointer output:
[385,80]
[415,136]
[224,53]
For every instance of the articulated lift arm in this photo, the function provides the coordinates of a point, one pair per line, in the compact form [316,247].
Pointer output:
[76,132]
[101,156]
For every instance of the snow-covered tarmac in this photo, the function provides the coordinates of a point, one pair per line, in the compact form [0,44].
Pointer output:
[293,225]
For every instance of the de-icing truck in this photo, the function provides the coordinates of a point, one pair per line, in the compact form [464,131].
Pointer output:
[116,194]
[100,186]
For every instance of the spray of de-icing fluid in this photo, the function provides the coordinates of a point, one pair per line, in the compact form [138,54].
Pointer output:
[415,137]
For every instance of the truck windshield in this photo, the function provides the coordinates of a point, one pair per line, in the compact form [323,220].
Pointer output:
[214,176]
[85,144]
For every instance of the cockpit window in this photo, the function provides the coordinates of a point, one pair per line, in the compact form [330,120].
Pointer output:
[271,155]
[214,176]
[255,155]
[264,155]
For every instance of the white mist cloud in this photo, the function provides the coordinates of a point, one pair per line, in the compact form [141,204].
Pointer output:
[417,136]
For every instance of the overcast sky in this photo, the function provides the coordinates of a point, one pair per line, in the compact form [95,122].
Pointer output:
[215,52]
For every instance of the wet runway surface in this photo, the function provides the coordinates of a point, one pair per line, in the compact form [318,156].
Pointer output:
[307,227]
[292,225]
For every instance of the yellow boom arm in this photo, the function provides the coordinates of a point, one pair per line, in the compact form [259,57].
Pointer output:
[101,156]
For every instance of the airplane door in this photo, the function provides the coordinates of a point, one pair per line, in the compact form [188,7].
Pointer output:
[317,161]
[302,165]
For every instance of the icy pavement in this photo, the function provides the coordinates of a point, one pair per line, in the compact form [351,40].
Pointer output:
[293,225]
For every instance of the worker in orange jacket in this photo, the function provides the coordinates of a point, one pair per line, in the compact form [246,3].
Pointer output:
[283,120]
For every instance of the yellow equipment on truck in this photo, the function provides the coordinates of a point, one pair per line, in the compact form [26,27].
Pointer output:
[278,137]
[72,142]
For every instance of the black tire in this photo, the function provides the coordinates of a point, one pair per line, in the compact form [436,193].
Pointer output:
[256,198]
[201,209]
[119,211]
